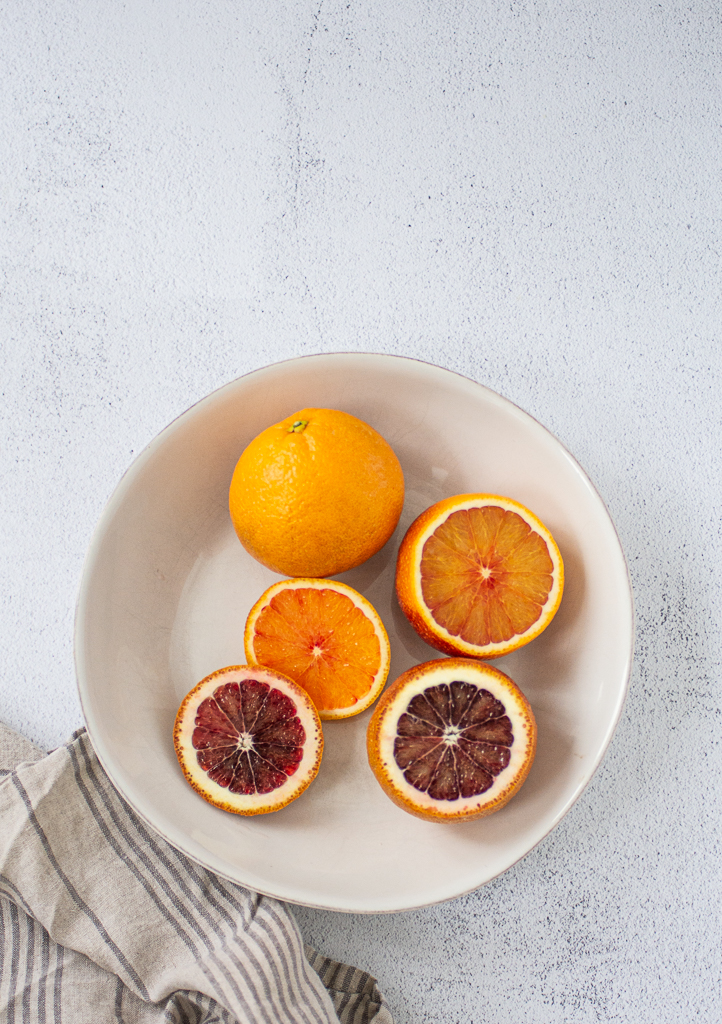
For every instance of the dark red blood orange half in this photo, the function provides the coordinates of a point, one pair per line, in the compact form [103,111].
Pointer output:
[451,740]
[248,739]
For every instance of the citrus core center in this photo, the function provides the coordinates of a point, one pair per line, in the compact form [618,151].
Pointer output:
[451,735]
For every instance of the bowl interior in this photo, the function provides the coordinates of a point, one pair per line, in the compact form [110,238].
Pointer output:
[167,587]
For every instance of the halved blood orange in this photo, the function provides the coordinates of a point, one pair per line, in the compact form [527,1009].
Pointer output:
[326,637]
[479,575]
[248,739]
[451,740]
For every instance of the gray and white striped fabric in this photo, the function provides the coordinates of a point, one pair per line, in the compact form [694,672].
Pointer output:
[102,920]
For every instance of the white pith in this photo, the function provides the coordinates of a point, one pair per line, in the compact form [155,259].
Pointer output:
[361,603]
[293,785]
[485,677]
[491,501]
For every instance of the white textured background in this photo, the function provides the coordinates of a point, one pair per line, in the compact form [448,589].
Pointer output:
[526,192]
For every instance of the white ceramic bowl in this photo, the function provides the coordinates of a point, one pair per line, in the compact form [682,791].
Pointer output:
[167,587]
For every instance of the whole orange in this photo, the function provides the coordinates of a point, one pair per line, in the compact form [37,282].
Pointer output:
[316,494]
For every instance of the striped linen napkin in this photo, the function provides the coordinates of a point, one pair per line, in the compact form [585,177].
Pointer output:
[102,920]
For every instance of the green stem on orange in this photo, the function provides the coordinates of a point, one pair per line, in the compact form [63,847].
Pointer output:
[297,426]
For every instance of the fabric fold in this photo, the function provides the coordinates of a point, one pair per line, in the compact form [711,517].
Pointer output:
[101,919]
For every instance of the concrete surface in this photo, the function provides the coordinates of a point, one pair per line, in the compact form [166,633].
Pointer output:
[527,193]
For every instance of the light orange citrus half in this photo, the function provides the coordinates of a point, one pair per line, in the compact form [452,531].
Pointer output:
[326,637]
[248,739]
[479,575]
[316,494]
[451,740]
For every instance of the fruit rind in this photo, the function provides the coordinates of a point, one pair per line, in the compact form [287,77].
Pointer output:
[381,735]
[295,498]
[408,577]
[257,803]
[361,602]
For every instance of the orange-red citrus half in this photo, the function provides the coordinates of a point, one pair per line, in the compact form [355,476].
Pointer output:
[479,575]
[326,637]
[451,740]
[248,739]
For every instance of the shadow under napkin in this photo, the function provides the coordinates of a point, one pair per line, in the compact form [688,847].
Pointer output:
[101,919]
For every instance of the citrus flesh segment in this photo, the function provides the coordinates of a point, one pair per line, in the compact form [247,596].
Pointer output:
[452,740]
[316,494]
[479,575]
[248,740]
[326,637]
